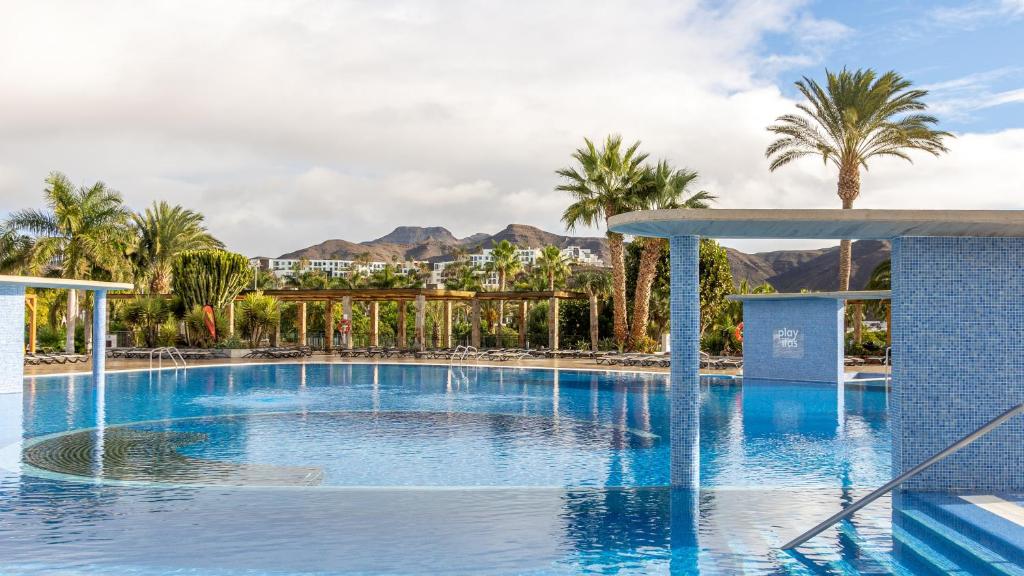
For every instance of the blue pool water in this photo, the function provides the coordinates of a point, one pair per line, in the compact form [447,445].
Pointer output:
[400,469]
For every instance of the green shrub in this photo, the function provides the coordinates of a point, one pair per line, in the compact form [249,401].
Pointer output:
[258,316]
[147,316]
[196,333]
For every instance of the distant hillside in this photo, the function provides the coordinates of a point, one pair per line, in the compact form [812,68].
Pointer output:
[786,270]
[793,270]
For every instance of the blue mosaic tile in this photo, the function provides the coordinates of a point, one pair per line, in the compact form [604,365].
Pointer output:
[12,337]
[684,395]
[958,348]
[798,340]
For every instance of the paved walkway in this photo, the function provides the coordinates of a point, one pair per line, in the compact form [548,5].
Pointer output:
[114,364]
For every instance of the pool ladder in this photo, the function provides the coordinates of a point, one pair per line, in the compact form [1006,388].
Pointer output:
[888,486]
[173,353]
[460,353]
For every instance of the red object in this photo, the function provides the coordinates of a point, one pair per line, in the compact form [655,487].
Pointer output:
[738,333]
[344,325]
[211,324]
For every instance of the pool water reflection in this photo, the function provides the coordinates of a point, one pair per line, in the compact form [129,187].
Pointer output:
[343,468]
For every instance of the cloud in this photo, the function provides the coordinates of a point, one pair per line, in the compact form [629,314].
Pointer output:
[972,14]
[959,98]
[290,122]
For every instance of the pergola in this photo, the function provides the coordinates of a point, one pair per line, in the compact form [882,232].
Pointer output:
[419,297]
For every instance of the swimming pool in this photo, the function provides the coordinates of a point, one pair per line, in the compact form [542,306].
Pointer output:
[366,468]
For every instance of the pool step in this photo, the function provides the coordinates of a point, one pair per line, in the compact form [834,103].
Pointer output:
[957,546]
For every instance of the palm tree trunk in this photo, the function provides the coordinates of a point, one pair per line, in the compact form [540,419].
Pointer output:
[849,189]
[620,328]
[72,312]
[858,322]
[648,268]
[593,322]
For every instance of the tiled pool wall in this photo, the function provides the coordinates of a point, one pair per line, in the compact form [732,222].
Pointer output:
[793,340]
[684,395]
[958,347]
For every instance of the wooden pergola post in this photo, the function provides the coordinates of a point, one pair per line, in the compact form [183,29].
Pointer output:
[474,335]
[421,321]
[374,323]
[523,315]
[553,323]
[594,336]
[329,326]
[446,332]
[400,340]
[231,318]
[301,310]
[30,303]
[346,310]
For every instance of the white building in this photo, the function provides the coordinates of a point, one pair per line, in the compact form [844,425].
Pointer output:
[528,256]
[285,267]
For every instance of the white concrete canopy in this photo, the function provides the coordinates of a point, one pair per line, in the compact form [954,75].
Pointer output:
[844,295]
[818,224]
[68,284]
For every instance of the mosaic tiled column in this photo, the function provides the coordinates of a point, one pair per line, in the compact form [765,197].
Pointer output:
[958,359]
[12,362]
[684,396]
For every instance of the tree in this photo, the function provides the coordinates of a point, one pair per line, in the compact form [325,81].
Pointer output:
[164,231]
[14,249]
[461,275]
[715,281]
[602,184]
[209,277]
[83,233]
[663,187]
[598,285]
[857,116]
[553,265]
[505,262]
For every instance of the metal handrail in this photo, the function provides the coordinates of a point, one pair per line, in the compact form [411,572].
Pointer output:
[888,364]
[170,351]
[931,461]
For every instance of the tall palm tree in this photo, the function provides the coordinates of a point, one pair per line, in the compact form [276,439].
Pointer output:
[857,116]
[505,262]
[164,231]
[84,233]
[598,285]
[553,265]
[602,185]
[663,187]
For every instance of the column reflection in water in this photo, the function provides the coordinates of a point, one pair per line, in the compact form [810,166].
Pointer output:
[683,535]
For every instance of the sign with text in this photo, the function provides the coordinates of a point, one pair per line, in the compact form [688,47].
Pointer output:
[788,343]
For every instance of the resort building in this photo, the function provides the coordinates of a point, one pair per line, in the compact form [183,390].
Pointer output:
[286,267]
[528,257]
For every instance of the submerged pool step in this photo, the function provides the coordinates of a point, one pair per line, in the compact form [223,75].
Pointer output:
[924,554]
[966,550]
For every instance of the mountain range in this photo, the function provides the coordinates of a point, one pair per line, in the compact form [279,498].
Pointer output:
[786,270]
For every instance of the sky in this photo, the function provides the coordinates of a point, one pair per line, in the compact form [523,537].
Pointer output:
[289,122]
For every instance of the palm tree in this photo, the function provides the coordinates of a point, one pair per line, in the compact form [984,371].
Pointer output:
[14,249]
[461,275]
[602,185]
[597,284]
[664,187]
[857,116]
[164,231]
[83,233]
[505,262]
[553,265]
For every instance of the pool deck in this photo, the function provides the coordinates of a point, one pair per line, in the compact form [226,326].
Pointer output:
[116,364]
